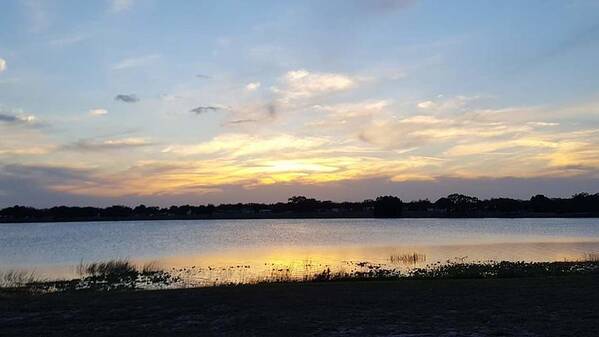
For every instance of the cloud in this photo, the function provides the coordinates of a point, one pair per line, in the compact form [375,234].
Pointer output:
[252,86]
[37,15]
[252,113]
[2,64]
[543,124]
[207,77]
[444,104]
[68,40]
[425,130]
[134,62]
[350,110]
[45,185]
[426,105]
[110,144]
[98,112]
[202,109]
[384,6]
[127,98]
[237,145]
[14,119]
[242,121]
[299,84]
[169,97]
[117,6]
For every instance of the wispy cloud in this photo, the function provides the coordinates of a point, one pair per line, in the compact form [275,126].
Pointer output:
[37,14]
[117,6]
[109,144]
[134,62]
[384,5]
[98,112]
[68,40]
[127,98]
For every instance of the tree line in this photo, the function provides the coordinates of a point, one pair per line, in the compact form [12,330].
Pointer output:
[453,205]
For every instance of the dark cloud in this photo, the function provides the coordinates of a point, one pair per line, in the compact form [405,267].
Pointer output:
[203,109]
[358,190]
[28,121]
[31,185]
[207,77]
[271,113]
[8,118]
[271,109]
[131,98]
[54,174]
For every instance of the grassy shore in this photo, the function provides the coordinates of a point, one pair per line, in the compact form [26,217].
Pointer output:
[541,306]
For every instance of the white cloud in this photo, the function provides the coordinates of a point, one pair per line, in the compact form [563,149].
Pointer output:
[426,105]
[98,112]
[117,6]
[304,84]
[237,145]
[2,65]
[134,62]
[452,103]
[357,109]
[252,86]
[543,124]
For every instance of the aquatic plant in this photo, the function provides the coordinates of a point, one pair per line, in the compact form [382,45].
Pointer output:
[407,259]
[122,274]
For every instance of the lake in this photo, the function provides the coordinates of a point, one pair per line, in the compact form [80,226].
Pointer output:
[213,251]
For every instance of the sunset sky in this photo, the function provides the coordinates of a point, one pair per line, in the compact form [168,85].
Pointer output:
[171,102]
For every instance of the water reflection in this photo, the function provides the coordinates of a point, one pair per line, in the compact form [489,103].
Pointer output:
[288,264]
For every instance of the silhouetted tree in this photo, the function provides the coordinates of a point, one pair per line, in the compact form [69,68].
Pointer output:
[541,203]
[387,207]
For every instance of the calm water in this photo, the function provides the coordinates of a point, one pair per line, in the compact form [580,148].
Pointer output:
[240,249]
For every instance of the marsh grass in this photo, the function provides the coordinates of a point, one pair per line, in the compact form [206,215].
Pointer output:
[591,257]
[121,274]
[18,278]
[408,259]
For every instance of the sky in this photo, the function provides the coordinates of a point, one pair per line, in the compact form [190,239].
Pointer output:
[174,102]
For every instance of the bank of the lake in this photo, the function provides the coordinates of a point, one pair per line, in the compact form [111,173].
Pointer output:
[548,306]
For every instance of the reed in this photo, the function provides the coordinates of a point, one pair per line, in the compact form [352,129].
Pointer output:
[18,279]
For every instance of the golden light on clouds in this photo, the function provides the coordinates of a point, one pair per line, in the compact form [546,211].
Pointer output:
[295,136]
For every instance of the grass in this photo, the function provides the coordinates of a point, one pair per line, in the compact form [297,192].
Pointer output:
[17,279]
[122,274]
[594,257]
[407,259]
[119,273]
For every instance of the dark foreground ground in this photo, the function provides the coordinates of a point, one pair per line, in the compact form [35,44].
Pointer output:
[561,306]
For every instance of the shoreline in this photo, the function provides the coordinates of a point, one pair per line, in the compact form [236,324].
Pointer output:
[314,217]
[543,306]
